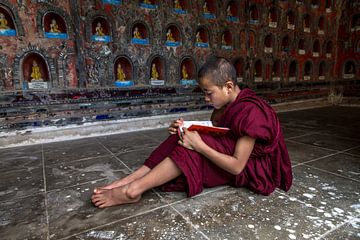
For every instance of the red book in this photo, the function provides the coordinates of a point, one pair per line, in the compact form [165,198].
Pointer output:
[202,127]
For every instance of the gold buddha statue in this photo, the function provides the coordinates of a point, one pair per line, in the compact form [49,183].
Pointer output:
[54,28]
[198,38]
[228,11]
[120,73]
[223,41]
[270,18]
[3,22]
[147,2]
[177,4]
[154,72]
[169,36]
[35,72]
[99,30]
[184,73]
[136,33]
[205,8]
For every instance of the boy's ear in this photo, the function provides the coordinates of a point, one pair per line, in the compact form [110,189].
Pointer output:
[229,84]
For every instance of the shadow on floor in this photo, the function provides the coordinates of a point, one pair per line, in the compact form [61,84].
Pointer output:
[45,189]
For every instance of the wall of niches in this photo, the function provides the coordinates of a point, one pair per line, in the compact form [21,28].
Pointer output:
[121,46]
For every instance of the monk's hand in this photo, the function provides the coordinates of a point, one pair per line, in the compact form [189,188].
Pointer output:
[174,126]
[190,139]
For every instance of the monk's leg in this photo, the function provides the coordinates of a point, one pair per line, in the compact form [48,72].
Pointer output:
[165,171]
[140,172]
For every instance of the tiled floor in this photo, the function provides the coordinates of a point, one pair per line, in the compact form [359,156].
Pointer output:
[45,189]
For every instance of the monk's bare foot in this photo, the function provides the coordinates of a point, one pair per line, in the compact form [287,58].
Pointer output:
[111,197]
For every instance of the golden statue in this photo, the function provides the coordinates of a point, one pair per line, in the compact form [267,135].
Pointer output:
[136,33]
[177,4]
[288,20]
[169,36]
[3,22]
[228,11]
[198,38]
[35,72]
[223,41]
[120,73]
[154,72]
[147,2]
[99,30]
[270,18]
[205,8]
[184,73]
[54,28]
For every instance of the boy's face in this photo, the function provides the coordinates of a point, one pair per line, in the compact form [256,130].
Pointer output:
[214,95]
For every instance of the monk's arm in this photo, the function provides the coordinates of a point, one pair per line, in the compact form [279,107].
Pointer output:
[232,164]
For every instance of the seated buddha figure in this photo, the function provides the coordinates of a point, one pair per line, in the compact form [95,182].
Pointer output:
[3,22]
[205,8]
[169,36]
[120,73]
[136,33]
[54,28]
[154,72]
[99,30]
[35,72]
[198,38]
[177,4]
[184,73]
[147,2]
[228,11]
[223,41]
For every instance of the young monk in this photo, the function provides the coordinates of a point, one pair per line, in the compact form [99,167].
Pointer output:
[252,154]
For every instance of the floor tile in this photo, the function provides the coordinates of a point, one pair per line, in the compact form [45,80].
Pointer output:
[332,195]
[300,152]
[136,158]
[21,183]
[72,150]
[20,158]
[350,230]
[127,142]
[78,172]
[23,218]
[342,164]
[71,211]
[239,214]
[327,141]
[165,223]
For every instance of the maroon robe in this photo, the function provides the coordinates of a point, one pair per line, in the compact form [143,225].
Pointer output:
[268,167]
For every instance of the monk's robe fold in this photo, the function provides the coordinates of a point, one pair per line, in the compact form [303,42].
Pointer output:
[268,167]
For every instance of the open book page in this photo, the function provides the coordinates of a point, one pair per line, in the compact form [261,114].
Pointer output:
[202,127]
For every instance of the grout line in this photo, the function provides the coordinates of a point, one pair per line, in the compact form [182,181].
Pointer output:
[308,144]
[303,135]
[338,226]
[338,175]
[45,193]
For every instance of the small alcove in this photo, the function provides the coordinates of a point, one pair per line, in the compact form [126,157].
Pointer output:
[252,40]
[226,40]
[254,14]
[328,5]
[316,48]
[275,71]
[349,70]
[187,71]
[321,25]
[307,23]
[258,71]
[180,6]
[290,20]
[123,72]
[240,69]
[315,4]
[242,40]
[322,69]
[7,25]
[209,9]
[268,42]
[100,30]
[139,34]
[272,18]
[202,38]
[308,70]
[35,71]
[54,26]
[172,36]
[355,22]
[329,49]
[285,44]
[232,12]
[301,46]
[292,71]
[157,71]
